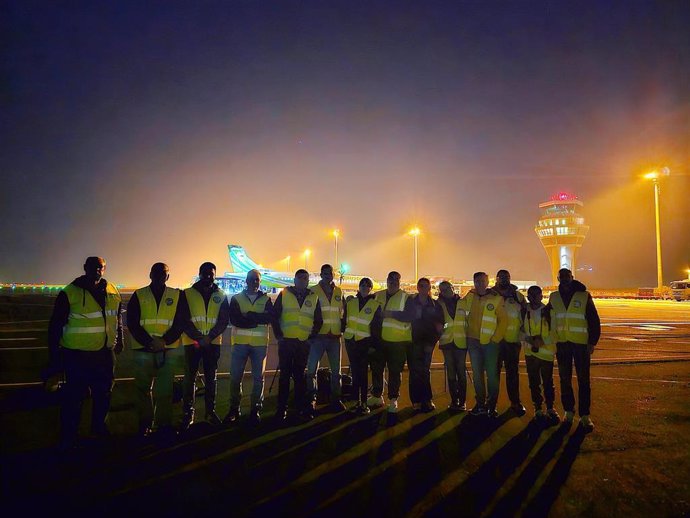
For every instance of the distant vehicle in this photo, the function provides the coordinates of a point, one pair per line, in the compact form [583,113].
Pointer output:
[681,290]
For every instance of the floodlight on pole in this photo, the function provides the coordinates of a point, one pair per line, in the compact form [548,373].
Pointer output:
[288,262]
[336,234]
[414,232]
[307,253]
[654,176]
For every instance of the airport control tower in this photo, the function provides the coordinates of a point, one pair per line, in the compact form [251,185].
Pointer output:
[561,230]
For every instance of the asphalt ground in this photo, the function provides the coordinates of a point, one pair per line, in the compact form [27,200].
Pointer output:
[636,463]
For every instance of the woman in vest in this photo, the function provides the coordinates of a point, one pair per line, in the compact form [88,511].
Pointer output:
[540,350]
[362,330]
[453,345]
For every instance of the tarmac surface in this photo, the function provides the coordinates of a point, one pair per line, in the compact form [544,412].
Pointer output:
[637,461]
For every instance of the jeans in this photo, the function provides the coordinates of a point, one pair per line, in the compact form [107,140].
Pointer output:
[540,372]
[317,346]
[454,360]
[358,353]
[393,355]
[86,370]
[292,361]
[155,406]
[419,363]
[566,354]
[484,360]
[193,355]
[238,361]
[509,355]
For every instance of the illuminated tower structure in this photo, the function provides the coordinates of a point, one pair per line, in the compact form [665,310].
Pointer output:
[561,230]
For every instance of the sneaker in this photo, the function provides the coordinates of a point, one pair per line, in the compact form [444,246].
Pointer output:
[454,406]
[375,402]
[552,416]
[428,406]
[338,405]
[416,406]
[393,405]
[586,423]
[233,416]
[213,418]
[519,409]
[492,413]
[478,410]
[310,411]
[281,414]
[187,420]
[363,410]
[255,415]
[569,417]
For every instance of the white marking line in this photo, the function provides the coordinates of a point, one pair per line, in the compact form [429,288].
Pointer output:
[23,322]
[628,339]
[639,379]
[648,327]
[21,348]
[628,322]
[16,339]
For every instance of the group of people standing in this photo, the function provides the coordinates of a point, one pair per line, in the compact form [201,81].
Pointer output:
[382,330]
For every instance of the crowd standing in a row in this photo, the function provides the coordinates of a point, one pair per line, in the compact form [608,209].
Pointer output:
[382,330]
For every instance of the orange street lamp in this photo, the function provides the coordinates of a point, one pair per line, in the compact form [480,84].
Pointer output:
[307,253]
[336,234]
[654,176]
[414,232]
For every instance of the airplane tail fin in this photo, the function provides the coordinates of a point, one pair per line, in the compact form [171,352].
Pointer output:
[239,260]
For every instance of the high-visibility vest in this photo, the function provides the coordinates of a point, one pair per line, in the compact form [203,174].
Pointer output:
[157,319]
[256,336]
[536,325]
[331,310]
[571,323]
[454,330]
[514,315]
[297,321]
[489,305]
[358,325]
[203,318]
[394,330]
[90,327]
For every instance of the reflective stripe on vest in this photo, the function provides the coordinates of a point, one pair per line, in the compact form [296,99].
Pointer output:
[571,323]
[256,336]
[455,328]
[204,318]
[87,328]
[331,310]
[489,304]
[295,321]
[394,330]
[536,325]
[514,315]
[358,324]
[157,319]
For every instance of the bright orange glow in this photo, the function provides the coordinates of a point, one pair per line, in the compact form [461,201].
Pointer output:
[336,233]
[415,231]
[307,253]
[652,175]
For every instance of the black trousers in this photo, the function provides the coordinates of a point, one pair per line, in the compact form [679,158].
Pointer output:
[292,361]
[86,371]
[419,363]
[358,354]
[568,353]
[540,372]
[193,355]
[509,356]
[456,371]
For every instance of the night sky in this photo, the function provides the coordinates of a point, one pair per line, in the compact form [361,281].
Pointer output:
[166,131]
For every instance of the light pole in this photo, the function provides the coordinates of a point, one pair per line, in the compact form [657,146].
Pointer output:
[336,234]
[654,177]
[307,252]
[415,233]
[288,262]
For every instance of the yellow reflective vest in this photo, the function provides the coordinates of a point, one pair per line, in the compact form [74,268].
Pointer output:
[513,311]
[489,304]
[358,325]
[203,318]
[331,310]
[297,321]
[157,319]
[571,323]
[90,327]
[455,328]
[255,336]
[535,325]
[394,330]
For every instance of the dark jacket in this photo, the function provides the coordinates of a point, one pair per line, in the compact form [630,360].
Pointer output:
[278,310]
[61,312]
[591,314]
[223,314]
[140,334]
[425,318]
[251,319]
[376,322]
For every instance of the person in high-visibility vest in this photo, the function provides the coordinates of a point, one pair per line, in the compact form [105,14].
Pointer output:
[327,340]
[509,347]
[486,323]
[296,318]
[540,350]
[577,327]
[396,335]
[155,325]
[84,334]
[251,311]
[361,329]
[208,313]
[453,345]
